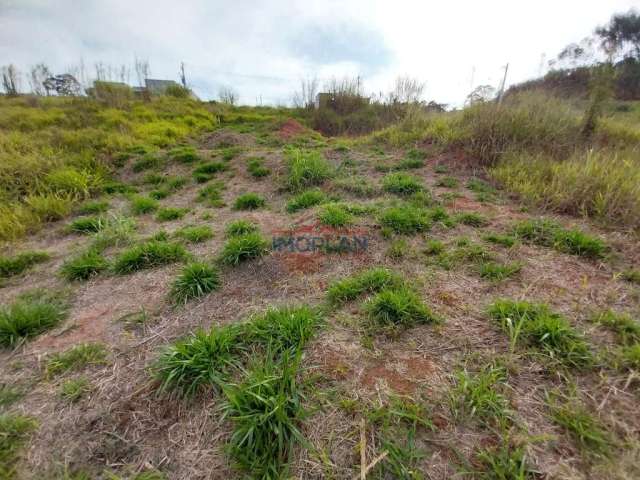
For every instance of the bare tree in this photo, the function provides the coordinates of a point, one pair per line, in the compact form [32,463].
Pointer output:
[142,70]
[406,90]
[37,76]
[306,96]
[228,95]
[10,79]
[481,94]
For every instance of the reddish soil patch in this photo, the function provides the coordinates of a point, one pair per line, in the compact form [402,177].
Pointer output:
[403,375]
[463,203]
[290,128]
[333,365]
[302,262]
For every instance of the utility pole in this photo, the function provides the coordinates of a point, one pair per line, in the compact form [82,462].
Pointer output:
[504,81]
[183,78]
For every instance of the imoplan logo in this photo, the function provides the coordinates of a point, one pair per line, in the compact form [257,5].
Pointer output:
[320,239]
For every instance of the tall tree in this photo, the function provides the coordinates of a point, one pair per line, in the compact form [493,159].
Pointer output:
[622,35]
[10,79]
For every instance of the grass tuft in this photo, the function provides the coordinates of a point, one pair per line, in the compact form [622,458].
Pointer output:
[249,201]
[471,219]
[238,228]
[479,394]
[256,168]
[84,266]
[626,328]
[76,358]
[87,225]
[74,389]
[397,308]
[306,199]
[150,254]
[335,215]
[242,248]
[14,432]
[285,329]
[549,234]
[367,281]
[141,205]
[497,271]
[306,169]
[402,183]
[405,220]
[11,266]
[195,280]
[195,233]
[29,316]
[168,214]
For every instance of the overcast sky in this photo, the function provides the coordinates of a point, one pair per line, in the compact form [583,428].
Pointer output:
[264,48]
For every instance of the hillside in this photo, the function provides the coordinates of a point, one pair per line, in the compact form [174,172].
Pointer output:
[199,291]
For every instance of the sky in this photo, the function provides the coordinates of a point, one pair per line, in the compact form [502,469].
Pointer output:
[263,49]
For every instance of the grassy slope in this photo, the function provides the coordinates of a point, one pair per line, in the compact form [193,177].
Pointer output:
[465,381]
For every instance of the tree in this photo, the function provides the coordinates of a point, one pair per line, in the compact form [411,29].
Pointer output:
[406,90]
[622,35]
[306,96]
[481,94]
[142,70]
[10,80]
[228,95]
[65,84]
[37,77]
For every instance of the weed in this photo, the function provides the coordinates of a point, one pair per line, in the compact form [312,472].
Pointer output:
[141,205]
[266,410]
[84,266]
[14,432]
[28,317]
[335,215]
[244,247]
[625,327]
[256,168]
[198,362]
[306,199]
[367,281]
[76,358]
[392,309]
[249,201]
[93,207]
[472,219]
[238,228]
[167,214]
[497,271]
[11,266]
[536,325]
[447,182]
[150,254]
[504,462]
[402,183]
[195,280]
[479,394]
[74,389]
[504,240]
[195,233]
[587,431]
[405,220]
[306,169]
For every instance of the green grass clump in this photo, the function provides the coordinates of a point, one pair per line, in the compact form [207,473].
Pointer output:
[306,169]
[632,276]
[77,358]
[195,280]
[29,316]
[206,171]
[87,225]
[396,308]
[335,215]
[498,239]
[84,266]
[402,183]
[479,394]
[306,199]
[256,168]
[504,462]
[185,154]
[195,233]
[409,163]
[284,329]
[535,325]
[405,220]
[146,162]
[14,433]
[398,249]
[244,247]
[478,186]
[447,182]
[229,153]
[198,362]
[589,434]
[549,234]
[356,185]
[9,395]
[628,357]
[118,231]
[249,201]
[367,281]
[10,266]
[167,214]
[141,205]
[74,389]
[626,328]
[150,254]
[212,194]
[238,228]
[497,271]
[93,207]
[266,410]
[472,219]
[434,247]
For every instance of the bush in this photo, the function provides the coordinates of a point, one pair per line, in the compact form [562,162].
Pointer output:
[244,247]
[141,205]
[28,317]
[167,214]
[196,280]
[402,183]
[84,266]
[306,169]
[335,215]
[306,199]
[400,307]
[368,281]
[10,266]
[249,201]
[150,254]
[405,220]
